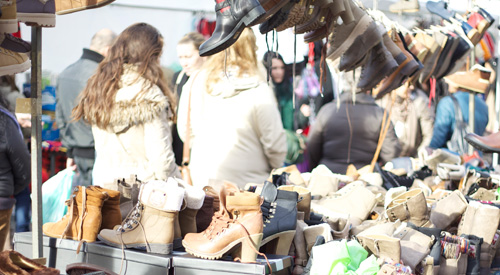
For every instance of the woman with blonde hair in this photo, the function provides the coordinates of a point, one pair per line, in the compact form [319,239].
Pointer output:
[236,129]
[129,106]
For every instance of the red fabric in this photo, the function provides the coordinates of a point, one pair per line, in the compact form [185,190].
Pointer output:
[432,93]
[311,54]
[18,33]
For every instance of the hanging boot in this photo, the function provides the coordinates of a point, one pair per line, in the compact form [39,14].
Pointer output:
[15,263]
[304,201]
[279,213]
[150,224]
[84,217]
[379,64]
[129,194]
[232,16]
[236,228]
[410,206]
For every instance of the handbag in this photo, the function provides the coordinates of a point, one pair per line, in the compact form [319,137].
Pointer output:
[186,152]
[457,142]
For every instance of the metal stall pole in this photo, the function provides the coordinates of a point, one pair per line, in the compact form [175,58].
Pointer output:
[496,125]
[36,140]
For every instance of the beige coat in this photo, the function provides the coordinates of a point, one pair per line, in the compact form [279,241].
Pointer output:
[237,134]
[138,139]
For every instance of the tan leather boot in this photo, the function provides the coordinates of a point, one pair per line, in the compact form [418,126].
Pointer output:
[304,202]
[84,217]
[150,225]
[448,209]
[410,206]
[111,212]
[12,262]
[236,228]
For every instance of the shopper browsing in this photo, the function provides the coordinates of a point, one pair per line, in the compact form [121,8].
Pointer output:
[129,106]
[237,134]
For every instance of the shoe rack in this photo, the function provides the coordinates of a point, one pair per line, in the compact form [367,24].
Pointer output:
[36,140]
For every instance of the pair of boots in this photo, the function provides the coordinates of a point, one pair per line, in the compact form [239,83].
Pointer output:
[150,224]
[90,209]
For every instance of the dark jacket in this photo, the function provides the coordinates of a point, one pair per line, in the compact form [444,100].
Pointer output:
[15,169]
[332,143]
[76,136]
[177,144]
[445,118]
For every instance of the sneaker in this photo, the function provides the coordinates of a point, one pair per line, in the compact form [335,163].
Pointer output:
[15,44]
[12,62]
[405,6]
[8,19]
[37,12]
[70,6]
[477,79]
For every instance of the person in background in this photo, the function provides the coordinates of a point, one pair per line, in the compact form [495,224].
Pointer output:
[412,117]
[15,166]
[476,80]
[129,105]
[189,57]
[76,136]
[350,133]
[236,130]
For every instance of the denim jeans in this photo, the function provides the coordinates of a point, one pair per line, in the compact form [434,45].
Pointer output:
[23,210]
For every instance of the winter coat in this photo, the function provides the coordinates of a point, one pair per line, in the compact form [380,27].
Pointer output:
[237,134]
[75,136]
[444,123]
[413,121]
[15,163]
[331,142]
[138,140]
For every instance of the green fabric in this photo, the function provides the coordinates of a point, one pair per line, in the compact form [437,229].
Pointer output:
[368,266]
[284,95]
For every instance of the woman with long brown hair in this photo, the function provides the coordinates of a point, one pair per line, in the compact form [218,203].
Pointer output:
[237,134]
[129,106]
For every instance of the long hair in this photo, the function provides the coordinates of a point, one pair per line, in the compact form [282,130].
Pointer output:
[141,45]
[242,54]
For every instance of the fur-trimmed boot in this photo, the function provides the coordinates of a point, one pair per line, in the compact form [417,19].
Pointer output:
[236,228]
[84,217]
[150,224]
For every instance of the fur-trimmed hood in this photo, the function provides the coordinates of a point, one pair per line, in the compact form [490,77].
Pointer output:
[136,102]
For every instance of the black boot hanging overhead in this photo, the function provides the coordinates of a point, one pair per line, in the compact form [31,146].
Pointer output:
[232,16]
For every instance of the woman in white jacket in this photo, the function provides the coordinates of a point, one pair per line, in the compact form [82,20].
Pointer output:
[129,106]
[237,134]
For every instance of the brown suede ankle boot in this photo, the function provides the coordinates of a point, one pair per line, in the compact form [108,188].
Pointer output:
[111,213]
[84,217]
[150,225]
[239,221]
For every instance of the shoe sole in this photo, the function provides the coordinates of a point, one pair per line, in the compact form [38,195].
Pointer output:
[269,13]
[255,14]
[104,3]
[233,246]
[481,147]
[8,25]
[39,19]
[360,28]
[294,17]
[153,248]
[15,69]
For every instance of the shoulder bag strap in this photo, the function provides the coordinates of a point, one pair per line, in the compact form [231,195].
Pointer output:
[458,112]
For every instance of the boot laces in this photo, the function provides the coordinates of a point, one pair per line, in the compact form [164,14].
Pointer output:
[268,210]
[132,219]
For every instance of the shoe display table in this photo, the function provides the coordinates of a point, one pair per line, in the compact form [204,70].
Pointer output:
[185,264]
[59,253]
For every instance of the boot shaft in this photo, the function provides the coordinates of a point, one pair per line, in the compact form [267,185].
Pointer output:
[111,213]
[480,220]
[409,206]
[161,195]
[304,199]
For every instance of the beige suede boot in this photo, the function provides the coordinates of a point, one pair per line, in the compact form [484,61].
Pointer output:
[236,228]
[299,241]
[410,206]
[151,224]
[382,246]
[311,232]
[448,209]
[322,181]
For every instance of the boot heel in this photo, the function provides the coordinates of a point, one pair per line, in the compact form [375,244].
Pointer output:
[246,252]
[161,248]
[284,242]
[254,15]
